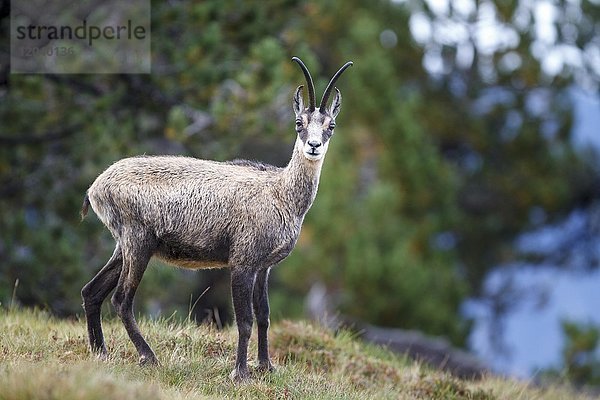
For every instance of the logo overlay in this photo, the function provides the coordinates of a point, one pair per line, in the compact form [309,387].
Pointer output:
[80,37]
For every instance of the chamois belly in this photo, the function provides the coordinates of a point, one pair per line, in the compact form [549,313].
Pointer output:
[191,264]
[258,249]
[193,256]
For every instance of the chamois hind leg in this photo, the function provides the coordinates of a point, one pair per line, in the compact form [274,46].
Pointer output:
[137,251]
[242,282]
[261,311]
[93,295]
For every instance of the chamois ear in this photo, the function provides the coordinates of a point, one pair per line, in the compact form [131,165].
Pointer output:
[298,101]
[336,104]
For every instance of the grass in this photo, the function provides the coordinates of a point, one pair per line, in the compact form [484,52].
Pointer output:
[45,358]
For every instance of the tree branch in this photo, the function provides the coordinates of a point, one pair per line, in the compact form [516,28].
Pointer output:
[49,136]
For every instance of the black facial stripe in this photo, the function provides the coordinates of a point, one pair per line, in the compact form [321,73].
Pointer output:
[303,134]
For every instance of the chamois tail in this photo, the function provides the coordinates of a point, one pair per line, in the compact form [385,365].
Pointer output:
[85,207]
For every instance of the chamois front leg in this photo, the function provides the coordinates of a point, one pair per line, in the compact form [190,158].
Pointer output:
[242,283]
[261,311]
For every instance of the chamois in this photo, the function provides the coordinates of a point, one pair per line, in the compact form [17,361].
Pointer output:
[205,214]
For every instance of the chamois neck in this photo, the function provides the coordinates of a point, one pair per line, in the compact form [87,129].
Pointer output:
[301,180]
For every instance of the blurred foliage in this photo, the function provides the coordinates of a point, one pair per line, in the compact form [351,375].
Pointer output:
[428,181]
[580,357]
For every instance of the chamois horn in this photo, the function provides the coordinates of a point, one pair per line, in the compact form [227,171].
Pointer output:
[309,84]
[330,86]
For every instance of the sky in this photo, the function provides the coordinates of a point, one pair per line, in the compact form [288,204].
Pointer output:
[532,333]
[586,131]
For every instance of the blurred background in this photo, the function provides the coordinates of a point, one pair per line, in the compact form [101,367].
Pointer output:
[460,196]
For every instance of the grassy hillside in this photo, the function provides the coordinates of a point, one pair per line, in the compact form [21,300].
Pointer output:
[45,358]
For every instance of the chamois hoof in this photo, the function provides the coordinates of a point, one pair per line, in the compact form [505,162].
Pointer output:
[265,367]
[102,356]
[239,375]
[148,361]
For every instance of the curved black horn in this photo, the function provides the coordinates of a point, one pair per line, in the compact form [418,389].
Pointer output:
[309,82]
[330,86]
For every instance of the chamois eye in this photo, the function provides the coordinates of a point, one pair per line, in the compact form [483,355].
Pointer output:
[298,123]
[332,126]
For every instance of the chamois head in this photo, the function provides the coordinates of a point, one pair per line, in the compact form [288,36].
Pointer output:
[315,126]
